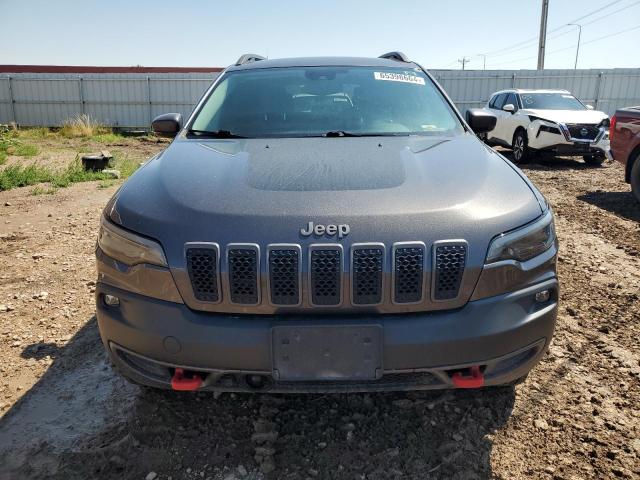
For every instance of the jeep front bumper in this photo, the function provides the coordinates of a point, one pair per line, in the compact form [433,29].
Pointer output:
[504,336]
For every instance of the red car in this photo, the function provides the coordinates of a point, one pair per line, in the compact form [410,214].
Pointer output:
[624,135]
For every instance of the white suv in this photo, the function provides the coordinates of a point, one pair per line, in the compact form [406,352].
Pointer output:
[548,121]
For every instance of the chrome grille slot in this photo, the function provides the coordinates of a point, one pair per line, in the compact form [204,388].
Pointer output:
[284,276]
[326,276]
[449,267]
[202,265]
[243,275]
[408,262]
[366,270]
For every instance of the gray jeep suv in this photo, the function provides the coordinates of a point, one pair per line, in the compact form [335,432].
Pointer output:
[326,224]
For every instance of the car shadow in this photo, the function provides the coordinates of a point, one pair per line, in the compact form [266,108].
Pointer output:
[75,397]
[623,204]
[82,420]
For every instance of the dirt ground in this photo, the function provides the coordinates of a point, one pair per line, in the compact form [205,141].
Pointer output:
[66,414]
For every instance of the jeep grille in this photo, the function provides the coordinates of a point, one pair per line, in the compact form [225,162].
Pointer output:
[326,275]
[284,276]
[408,274]
[319,276]
[243,275]
[450,261]
[202,265]
[367,275]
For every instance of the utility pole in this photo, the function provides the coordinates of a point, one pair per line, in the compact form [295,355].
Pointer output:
[463,61]
[542,42]
[575,65]
[484,60]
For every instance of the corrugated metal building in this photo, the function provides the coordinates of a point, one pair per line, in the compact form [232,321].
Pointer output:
[130,97]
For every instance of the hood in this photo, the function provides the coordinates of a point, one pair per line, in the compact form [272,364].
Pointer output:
[591,117]
[387,189]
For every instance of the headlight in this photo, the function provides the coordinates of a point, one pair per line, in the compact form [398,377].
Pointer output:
[525,243]
[127,247]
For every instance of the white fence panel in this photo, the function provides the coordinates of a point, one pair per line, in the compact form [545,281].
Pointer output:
[132,100]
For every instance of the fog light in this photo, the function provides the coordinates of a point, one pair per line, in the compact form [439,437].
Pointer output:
[111,300]
[543,296]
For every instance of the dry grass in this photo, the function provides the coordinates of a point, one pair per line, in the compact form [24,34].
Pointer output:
[82,126]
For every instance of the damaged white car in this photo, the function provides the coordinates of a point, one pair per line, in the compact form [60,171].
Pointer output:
[534,122]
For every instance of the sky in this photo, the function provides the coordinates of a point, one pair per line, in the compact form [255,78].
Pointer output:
[191,33]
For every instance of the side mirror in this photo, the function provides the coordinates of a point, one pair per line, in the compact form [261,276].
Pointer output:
[509,107]
[589,107]
[480,120]
[167,125]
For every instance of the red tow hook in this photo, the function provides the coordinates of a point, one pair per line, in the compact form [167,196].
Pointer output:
[185,384]
[474,380]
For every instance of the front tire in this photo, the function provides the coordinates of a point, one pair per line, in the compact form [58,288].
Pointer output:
[595,160]
[635,177]
[520,148]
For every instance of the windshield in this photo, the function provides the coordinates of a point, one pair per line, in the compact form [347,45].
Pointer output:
[330,101]
[551,101]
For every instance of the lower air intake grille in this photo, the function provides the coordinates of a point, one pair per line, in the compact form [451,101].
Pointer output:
[243,276]
[449,266]
[202,265]
[283,277]
[409,269]
[326,274]
[367,276]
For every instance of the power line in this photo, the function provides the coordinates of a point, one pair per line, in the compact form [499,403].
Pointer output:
[568,31]
[612,35]
[532,45]
[535,39]
[595,11]
[552,37]
[573,46]
[609,14]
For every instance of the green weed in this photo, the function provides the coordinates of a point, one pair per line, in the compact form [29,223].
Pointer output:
[25,150]
[11,145]
[106,184]
[18,176]
[38,190]
[35,133]
[21,176]
[108,138]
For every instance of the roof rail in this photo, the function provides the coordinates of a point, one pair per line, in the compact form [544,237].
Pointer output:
[249,58]
[397,56]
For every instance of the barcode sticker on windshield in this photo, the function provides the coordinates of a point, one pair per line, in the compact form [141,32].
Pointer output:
[398,77]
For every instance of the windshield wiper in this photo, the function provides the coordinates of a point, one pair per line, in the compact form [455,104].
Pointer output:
[214,133]
[342,133]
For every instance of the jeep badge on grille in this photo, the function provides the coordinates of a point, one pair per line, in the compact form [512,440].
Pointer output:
[341,230]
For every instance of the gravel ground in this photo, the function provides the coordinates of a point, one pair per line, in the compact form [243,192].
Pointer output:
[65,414]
